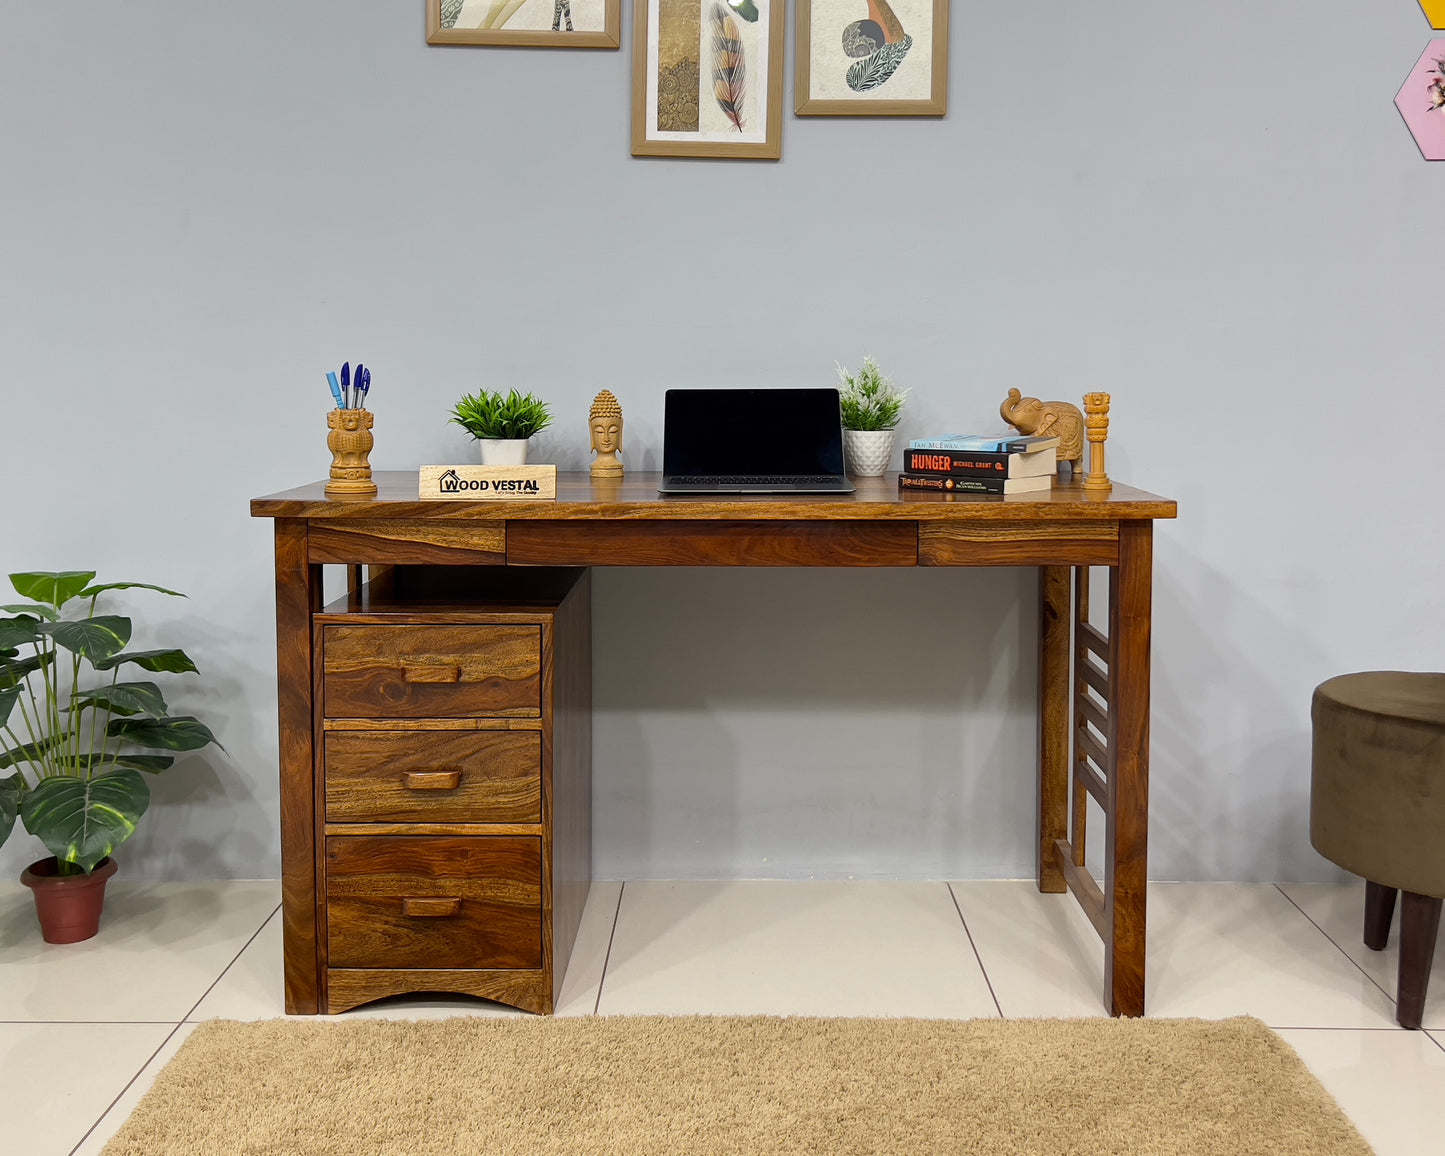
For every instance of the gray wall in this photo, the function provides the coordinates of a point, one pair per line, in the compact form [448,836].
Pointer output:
[1212,211]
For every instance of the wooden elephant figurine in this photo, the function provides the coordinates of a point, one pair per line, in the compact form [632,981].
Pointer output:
[1035,418]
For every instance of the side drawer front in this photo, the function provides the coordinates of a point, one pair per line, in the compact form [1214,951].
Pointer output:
[434,776]
[432,671]
[433,902]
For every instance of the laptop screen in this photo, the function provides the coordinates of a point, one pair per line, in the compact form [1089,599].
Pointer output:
[752,431]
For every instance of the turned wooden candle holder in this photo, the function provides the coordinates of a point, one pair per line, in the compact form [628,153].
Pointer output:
[350,443]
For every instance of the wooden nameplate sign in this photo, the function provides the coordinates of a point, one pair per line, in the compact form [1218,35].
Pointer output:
[488,483]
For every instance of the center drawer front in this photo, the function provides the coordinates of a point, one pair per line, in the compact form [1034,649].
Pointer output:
[434,776]
[434,902]
[432,671]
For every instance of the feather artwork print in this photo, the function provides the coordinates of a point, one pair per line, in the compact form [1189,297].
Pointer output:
[729,66]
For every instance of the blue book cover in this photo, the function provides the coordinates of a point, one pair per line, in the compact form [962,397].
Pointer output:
[979,444]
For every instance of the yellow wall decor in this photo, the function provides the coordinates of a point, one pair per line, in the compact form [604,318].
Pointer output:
[1434,12]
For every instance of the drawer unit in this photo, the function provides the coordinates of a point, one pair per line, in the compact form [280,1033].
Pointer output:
[404,901]
[432,671]
[433,776]
[452,783]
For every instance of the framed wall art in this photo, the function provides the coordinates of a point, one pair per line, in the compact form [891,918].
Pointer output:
[707,78]
[1422,102]
[871,58]
[525,23]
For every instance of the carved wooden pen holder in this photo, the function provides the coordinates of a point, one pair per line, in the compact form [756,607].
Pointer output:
[350,444]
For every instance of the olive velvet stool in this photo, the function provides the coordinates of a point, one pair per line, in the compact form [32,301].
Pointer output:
[1377,808]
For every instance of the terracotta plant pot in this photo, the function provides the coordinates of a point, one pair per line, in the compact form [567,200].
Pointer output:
[68,905]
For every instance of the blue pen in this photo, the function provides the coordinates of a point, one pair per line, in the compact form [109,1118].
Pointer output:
[356,385]
[365,386]
[346,384]
[335,390]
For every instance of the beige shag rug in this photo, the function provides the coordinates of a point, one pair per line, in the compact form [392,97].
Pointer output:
[736,1084]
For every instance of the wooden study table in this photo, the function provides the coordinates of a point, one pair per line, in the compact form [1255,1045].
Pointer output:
[1093,684]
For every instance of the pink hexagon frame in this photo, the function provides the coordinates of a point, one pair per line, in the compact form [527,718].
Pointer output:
[1421,102]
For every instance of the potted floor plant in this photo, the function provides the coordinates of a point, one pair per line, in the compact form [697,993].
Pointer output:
[78,747]
[502,423]
[871,405]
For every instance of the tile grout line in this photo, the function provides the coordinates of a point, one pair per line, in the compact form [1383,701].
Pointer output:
[976,955]
[169,1035]
[1338,948]
[1434,1039]
[149,1061]
[232,964]
[1316,1028]
[152,1023]
[608,958]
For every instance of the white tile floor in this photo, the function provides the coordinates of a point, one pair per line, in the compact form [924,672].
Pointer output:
[84,1028]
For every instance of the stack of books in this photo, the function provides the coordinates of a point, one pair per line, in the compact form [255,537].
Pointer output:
[965,463]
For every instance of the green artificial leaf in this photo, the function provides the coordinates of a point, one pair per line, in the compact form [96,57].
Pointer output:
[83,820]
[8,696]
[163,661]
[12,670]
[11,790]
[32,609]
[125,698]
[100,588]
[31,752]
[182,733]
[95,638]
[150,764]
[54,589]
[18,632]
[98,760]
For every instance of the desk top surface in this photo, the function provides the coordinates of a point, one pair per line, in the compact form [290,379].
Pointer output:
[581,497]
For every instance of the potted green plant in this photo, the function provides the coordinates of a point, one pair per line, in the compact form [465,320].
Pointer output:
[76,751]
[502,424]
[871,405]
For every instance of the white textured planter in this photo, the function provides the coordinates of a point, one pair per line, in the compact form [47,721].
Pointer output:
[503,451]
[868,451]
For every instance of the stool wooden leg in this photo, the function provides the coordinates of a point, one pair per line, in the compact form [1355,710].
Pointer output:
[1055,634]
[1379,912]
[1126,826]
[1419,925]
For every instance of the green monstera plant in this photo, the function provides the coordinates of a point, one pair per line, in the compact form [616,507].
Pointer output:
[77,752]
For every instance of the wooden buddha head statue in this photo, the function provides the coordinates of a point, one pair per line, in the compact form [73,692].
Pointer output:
[605,425]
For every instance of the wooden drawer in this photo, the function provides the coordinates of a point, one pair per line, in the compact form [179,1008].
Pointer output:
[434,776]
[398,901]
[431,671]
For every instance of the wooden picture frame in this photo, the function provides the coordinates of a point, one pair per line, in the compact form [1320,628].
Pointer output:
[886,42]
[605,32]
[666,121]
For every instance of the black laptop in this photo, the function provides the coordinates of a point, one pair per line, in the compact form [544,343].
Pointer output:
[753,441]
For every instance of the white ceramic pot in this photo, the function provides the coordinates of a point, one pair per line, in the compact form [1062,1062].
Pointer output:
[503,451]
[867,451]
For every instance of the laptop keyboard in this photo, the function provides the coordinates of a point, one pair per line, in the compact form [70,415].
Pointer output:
[755,480]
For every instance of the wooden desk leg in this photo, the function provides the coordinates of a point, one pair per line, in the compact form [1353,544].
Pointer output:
[298,595]
[1055,632]
[1126,853]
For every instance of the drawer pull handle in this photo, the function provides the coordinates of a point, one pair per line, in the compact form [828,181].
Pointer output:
[432,673]
[431,780]
[430,908]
